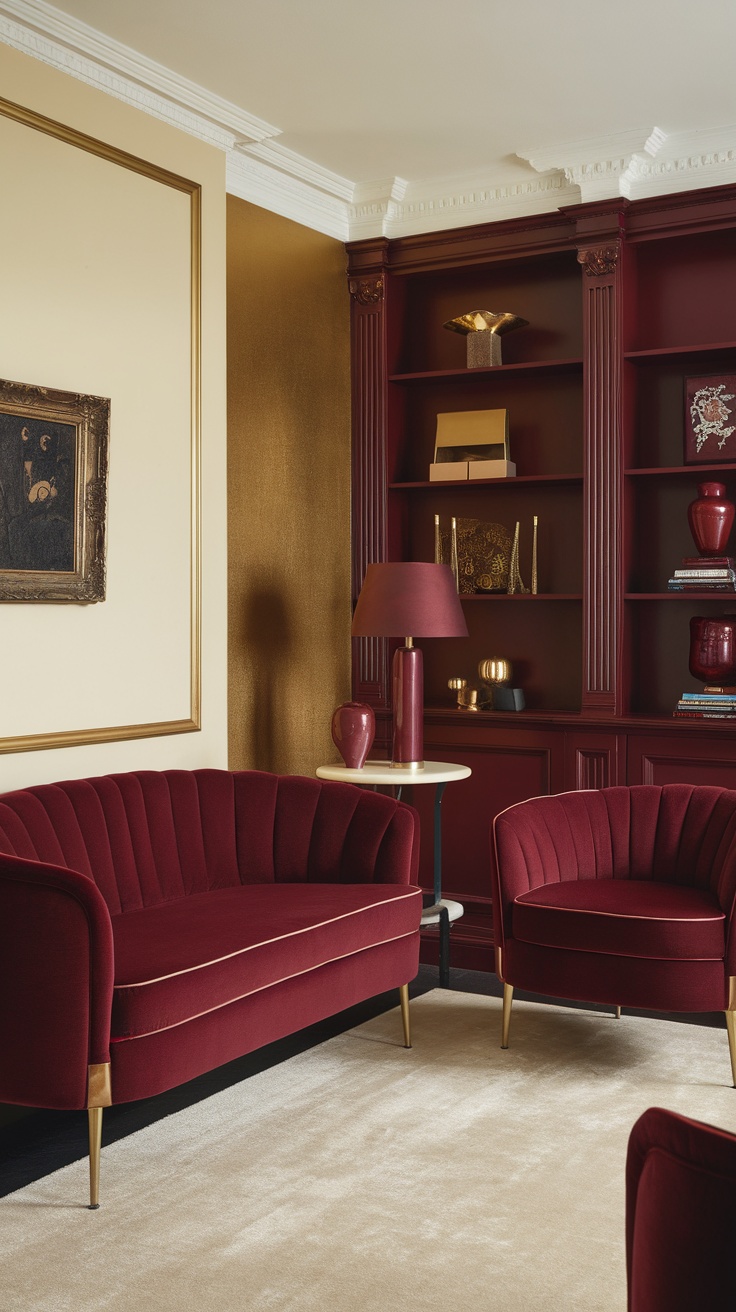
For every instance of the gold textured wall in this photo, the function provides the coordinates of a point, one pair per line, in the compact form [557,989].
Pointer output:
[288,491]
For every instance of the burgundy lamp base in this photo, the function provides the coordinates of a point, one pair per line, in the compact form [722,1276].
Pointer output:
[408,696]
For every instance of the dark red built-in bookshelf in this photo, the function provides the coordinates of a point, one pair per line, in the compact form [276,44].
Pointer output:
[624,302]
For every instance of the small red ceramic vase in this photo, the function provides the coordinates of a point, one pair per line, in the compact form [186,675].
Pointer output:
[713,648]
[353,731]
[710,518]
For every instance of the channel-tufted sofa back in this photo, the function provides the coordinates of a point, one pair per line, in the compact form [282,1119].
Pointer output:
[150,837]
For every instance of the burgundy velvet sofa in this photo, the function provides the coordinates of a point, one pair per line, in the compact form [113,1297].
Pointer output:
[620,895]
[680,1215]
[154,925]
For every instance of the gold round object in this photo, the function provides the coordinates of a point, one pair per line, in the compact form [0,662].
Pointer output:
[495,671]
[456,684]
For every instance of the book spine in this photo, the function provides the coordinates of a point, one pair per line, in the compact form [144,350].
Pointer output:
[698,562]
[700,585]
[705,710]
[705,715]
[725,697]
[698,572]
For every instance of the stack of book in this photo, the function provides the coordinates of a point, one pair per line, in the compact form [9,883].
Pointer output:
[704,574]
[710,704]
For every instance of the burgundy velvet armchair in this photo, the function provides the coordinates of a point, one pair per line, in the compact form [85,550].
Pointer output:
[680,1215]
[619,895]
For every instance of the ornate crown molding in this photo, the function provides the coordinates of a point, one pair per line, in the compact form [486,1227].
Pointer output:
[259,169]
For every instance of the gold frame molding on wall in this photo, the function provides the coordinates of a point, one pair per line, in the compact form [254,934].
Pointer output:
[118,733]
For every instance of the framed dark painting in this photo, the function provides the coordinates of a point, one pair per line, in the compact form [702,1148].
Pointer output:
[710,419]
[53,494]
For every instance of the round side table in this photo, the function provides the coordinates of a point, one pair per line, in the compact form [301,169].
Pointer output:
[440,773]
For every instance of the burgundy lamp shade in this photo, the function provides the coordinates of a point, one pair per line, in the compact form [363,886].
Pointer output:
[413,599]
[409,598]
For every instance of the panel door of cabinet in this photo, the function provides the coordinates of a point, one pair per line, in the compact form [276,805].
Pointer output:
[697,759]
[594,759]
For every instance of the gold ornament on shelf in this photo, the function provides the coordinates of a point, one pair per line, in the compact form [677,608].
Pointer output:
[458,686]
[484,329]
[515,583]
[441,550]
[484,553]
[495,671]
[534,555]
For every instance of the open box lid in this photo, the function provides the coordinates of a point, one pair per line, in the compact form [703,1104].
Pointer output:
[472,435]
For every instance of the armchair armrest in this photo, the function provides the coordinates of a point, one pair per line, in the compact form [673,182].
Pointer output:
[56,980]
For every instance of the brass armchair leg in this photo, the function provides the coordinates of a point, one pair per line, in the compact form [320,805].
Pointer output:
[508,993]
[404,996]
[617,1013]
[94,1115]
[731,1027]
[99,1095]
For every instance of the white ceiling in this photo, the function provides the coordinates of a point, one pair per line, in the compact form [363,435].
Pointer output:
[397,116]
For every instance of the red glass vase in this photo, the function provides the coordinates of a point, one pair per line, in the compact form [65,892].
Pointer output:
[710,517]
[353,731]
[713,649]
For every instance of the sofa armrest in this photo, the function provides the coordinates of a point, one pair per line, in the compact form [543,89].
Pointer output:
[56,980]
[361,837]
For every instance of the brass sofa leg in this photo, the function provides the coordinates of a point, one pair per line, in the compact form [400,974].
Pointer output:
[731,1025]
[617,1013]
[404,996]
[99,1095]
[508,993]
[94,1115]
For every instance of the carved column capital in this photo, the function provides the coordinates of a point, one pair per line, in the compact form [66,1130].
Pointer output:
[598,261]
[366,291]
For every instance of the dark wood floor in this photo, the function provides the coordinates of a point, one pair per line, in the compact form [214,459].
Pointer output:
[33,1144]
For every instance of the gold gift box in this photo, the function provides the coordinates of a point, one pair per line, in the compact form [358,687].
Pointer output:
[472,444]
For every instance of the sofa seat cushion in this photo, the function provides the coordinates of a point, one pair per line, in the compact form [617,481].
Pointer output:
[184,958]
[626,917]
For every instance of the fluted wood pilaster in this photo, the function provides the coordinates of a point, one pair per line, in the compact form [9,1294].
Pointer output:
[603,511]
[369,497]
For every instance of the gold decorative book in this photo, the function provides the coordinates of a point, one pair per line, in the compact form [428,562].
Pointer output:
[484,556]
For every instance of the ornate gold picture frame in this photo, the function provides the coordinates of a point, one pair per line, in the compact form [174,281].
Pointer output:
[53,494]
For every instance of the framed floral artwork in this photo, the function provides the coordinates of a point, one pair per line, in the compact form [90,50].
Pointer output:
[53,493]
[710,419]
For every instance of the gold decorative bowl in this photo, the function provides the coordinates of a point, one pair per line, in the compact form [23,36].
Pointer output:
[477,321]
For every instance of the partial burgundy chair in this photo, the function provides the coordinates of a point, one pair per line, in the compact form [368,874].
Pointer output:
[619,895]
[680,1215]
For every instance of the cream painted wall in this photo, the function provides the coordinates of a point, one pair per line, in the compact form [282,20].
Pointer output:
[96,296]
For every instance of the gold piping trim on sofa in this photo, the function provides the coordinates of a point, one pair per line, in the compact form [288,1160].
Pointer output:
[251,947]
[131,1038]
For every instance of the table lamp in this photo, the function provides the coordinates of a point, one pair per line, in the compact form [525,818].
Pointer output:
[413,600]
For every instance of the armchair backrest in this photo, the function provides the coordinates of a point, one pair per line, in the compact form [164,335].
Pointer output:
[152,836]
[676,833]
[680,1215]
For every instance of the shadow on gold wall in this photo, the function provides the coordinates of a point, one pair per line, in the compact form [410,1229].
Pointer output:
[288,491]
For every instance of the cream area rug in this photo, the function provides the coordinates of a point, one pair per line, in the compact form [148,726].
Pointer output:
[360,1177]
